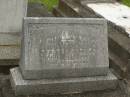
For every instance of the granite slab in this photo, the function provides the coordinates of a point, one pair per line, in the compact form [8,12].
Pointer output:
[64,47]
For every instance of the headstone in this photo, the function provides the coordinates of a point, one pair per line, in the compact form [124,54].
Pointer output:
[63,55]
[59,48]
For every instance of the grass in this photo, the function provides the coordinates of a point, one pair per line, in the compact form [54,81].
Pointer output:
[48,3]
[126,2]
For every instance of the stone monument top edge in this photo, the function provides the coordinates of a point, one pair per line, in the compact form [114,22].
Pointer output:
[64,20]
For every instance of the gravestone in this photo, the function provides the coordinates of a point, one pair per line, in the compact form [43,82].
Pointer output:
[55,48]
[63,55]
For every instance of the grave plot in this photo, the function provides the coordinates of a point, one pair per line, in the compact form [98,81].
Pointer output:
[63,55]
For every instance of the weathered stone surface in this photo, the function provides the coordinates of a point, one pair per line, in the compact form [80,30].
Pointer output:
[106,93]
[7,39]
[11,19]
[9,62]
[10,42]
[69,47]
[64,85]
[9,52]
[11,15]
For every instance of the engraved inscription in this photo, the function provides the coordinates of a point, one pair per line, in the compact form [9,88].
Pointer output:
[64,48]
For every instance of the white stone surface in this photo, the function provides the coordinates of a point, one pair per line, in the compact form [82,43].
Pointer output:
[116,13]
[11,15]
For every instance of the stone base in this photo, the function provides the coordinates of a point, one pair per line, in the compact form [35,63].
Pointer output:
[62,86]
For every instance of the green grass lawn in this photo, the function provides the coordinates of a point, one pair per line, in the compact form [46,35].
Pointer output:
[126,2]
[48,3]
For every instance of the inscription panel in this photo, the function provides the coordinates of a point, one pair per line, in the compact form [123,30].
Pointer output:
[65,49]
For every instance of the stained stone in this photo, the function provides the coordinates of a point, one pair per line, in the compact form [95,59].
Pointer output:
[64,85]
[61,48]
[9,52]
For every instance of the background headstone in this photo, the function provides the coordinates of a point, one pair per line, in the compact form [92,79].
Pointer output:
[11,19]
[11,15]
